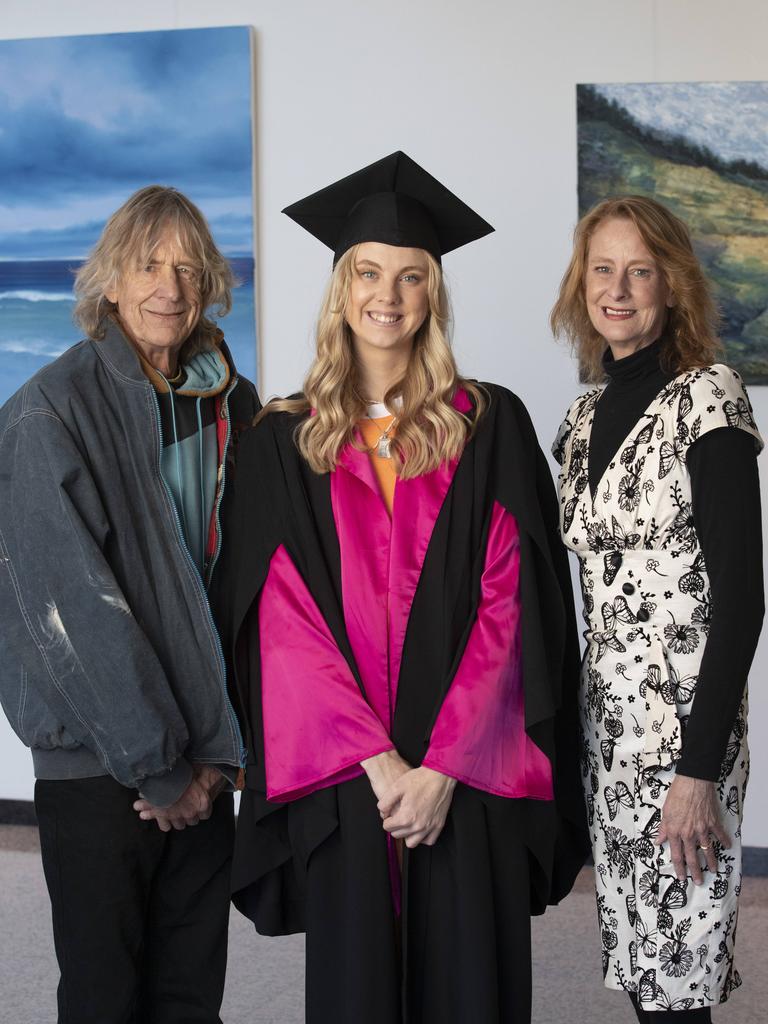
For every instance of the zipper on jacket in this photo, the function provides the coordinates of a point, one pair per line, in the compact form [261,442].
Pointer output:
[220,482]
[211,623]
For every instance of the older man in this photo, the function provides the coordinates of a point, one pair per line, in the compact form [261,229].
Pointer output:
[113,462]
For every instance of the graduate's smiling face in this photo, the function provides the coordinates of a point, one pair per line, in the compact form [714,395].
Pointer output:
[388,297]
[626,293]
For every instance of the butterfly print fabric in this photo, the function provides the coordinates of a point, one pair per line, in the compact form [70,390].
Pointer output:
[647,606]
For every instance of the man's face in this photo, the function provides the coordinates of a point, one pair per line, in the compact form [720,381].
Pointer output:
[159,304]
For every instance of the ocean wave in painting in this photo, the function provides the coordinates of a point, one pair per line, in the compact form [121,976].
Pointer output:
[33,296]
[32,347]
[36,325]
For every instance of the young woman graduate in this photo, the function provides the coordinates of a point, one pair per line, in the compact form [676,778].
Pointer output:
[397,612]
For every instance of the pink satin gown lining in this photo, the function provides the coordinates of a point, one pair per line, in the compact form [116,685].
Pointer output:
[479,736]
[317,724]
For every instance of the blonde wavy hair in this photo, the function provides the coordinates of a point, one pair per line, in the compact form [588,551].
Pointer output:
[430,431]
[129,239]
[692,323]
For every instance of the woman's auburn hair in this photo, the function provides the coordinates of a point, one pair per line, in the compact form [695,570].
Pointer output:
[128,241]
[429,430]
[690,334]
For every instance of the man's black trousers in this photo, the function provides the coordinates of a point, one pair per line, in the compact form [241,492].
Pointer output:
[140,916]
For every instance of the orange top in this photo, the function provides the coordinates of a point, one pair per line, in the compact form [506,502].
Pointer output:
[371,430]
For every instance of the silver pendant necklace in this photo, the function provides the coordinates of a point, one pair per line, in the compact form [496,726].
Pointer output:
[383,447]
[384,444]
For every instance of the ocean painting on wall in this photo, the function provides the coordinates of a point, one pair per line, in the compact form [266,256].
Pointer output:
[700,148]
[86,121]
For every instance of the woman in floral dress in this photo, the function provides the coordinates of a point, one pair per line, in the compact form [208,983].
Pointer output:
[659,498]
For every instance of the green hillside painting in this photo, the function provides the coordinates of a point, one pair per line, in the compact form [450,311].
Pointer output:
[702,150]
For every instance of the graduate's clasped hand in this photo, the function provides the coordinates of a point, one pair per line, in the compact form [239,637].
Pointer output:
[413,802]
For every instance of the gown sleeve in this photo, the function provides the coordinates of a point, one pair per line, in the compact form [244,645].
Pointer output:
[318,727]
[726,508]
[479,735]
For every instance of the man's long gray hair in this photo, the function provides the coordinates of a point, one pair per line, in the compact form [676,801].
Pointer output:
[128,241]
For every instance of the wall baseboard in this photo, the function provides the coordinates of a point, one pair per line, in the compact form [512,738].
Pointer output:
[17,812]
[22,812]
[755,861]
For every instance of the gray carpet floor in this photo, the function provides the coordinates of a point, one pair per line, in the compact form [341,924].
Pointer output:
[265,977]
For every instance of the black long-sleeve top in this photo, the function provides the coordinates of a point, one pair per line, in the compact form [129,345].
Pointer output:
[726,510]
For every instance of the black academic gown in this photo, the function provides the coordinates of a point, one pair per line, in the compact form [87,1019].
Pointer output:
[319,864]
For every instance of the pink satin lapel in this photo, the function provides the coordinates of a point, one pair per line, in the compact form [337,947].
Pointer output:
[417,505]
[461,402]
[358,463]
[381,562]
[363,527]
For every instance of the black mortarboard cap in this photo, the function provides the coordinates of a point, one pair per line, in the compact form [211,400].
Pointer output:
[392,201]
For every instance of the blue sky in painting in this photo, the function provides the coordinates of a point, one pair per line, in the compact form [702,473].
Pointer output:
[728,118]
[84,122]
[88,119]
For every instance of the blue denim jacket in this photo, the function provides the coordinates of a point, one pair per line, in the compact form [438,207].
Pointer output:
[110,662]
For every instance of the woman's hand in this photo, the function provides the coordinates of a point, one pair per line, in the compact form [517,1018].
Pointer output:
[689,819]
[384,770]
[416,806]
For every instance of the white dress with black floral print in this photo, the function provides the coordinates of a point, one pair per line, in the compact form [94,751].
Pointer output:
[647,605]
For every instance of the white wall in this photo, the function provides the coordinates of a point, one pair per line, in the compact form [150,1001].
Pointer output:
[481,92]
